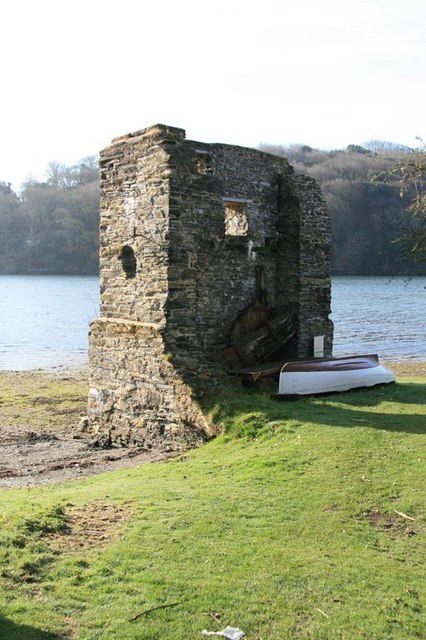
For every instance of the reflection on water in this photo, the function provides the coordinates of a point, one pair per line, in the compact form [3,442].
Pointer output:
[44,319]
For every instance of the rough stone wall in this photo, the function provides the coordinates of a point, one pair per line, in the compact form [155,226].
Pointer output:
[134,213]
[186,228]
[213,274]
[136,395]
[314,267]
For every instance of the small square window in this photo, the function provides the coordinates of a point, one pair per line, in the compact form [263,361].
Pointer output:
[236,218]
[204,163]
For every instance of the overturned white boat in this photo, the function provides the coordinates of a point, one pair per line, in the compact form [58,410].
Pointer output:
[328,375]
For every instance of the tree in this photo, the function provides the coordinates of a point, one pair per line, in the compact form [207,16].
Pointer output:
[356,148]
[62,217]
[367,217]
[386,147]
[13,230]
[409,173]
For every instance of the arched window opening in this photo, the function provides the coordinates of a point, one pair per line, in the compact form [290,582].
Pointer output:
[128,261]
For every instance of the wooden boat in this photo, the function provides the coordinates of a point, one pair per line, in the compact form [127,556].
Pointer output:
[328,375]
[257,346]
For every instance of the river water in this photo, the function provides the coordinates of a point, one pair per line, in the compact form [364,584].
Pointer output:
[380,315]
[44,319]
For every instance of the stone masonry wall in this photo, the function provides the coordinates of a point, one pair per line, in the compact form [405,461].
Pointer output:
[212,275]
[134,213]
[136,396]
[192,234]
[314,267]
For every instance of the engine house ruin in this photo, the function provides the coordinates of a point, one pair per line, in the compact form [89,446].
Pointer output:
[203,247]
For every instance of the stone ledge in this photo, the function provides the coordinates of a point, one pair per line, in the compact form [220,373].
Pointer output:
[128,323]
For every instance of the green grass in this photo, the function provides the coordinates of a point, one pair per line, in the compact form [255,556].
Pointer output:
[287,526]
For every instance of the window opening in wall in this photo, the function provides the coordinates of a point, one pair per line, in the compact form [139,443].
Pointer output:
[236,218]
[128,261]
[204,163]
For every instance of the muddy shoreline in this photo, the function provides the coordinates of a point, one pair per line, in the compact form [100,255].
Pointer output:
[41,440]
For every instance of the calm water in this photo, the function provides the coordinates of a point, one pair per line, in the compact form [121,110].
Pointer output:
[44,319]
[378,315]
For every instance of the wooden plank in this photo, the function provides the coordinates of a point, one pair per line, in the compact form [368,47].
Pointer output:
[256,347]
[242,357]
[230,358]
[272,330]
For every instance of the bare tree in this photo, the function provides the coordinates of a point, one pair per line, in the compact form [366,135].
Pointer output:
[410,175]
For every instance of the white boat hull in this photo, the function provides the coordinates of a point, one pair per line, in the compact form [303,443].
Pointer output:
[340,374]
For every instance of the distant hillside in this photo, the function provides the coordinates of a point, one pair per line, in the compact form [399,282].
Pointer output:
[52,226]
[367,216]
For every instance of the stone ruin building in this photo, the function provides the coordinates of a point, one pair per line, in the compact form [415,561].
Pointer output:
[211,257]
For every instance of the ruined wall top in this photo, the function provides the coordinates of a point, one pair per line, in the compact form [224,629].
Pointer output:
[157,131]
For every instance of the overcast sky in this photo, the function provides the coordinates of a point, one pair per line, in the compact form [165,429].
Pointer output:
[327,73]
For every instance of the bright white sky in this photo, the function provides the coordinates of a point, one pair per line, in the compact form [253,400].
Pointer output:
[327,73]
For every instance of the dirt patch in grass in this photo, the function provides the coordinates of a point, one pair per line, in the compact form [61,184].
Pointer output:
[397,526]
[90,525]
[72,628]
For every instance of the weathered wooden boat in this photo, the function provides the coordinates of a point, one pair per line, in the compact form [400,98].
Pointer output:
[328,375]
[256,347]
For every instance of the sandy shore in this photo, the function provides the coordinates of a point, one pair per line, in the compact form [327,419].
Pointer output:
[407,369]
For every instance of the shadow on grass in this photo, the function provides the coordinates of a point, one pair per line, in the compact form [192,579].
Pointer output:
[347,410]
[12,631]
[351,418]
[351,409]
[406,393]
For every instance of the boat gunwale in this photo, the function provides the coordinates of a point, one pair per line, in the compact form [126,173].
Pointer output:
[344,363]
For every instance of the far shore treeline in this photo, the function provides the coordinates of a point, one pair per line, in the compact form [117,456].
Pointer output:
[51,227]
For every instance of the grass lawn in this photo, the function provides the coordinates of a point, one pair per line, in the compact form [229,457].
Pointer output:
[304,519]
